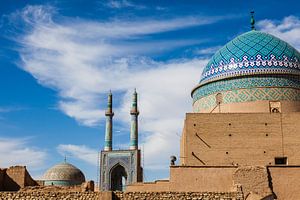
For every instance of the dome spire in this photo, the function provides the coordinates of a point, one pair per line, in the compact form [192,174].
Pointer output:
[252,21]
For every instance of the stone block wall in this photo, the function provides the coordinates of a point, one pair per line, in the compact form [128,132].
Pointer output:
[177,195]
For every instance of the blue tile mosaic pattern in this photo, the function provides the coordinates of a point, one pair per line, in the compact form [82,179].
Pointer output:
[248,95]
[251,53]
[247,82]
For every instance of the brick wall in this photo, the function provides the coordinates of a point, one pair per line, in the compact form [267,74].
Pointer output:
[52,195]
[120,195]
[240,139]
[178,195]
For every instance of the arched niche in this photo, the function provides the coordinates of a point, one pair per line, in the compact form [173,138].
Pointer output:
[118,178]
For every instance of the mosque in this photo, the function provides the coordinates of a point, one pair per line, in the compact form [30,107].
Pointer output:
[243,134]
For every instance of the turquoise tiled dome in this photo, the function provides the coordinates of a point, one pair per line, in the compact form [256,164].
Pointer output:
[64,174]
[251,53]
[254,66]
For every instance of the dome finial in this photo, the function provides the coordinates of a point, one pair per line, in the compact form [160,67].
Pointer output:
[252,21]
[65,159]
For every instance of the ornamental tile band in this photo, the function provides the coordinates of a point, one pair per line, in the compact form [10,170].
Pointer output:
[247,82]
[247,95]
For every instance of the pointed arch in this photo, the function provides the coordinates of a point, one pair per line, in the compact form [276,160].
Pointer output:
[118,177]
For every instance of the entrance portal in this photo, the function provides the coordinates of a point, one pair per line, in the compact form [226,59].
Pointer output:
[118,178]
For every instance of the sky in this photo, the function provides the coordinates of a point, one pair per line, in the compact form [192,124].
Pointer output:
[59,59]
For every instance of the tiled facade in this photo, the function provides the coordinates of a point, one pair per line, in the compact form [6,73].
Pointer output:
[246,83]
[247,95]
[128,159]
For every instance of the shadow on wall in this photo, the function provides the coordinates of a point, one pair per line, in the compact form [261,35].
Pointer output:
[10,184]
[14,178]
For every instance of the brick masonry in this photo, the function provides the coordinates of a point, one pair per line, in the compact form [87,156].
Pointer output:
[240,139]
[53,195]
[178,195]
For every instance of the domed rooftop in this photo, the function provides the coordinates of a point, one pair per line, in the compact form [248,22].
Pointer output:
[63,174]
[251,53]
[252,73]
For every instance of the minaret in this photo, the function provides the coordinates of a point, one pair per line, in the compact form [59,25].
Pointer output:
[134,123]
[108,130]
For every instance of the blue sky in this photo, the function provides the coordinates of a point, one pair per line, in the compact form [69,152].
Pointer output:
[58,60]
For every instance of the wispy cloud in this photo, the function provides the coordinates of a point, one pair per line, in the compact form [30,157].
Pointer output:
[18,151]
[81,152]
[118,4]
[287,29]
[7,109]
[207,51]
[83,65]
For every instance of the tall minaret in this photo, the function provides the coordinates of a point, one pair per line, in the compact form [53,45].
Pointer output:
[108,130]
[134,123]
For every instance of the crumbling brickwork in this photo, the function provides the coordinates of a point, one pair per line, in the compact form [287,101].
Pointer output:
[51,195]
[254,180]
[69,195]
[178,195]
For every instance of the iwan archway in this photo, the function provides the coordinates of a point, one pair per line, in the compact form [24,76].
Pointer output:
[118,177]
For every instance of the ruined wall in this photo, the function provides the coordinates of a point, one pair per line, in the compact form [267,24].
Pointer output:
[178,195]
[14,178]
[240,139]
[285,181]
[254,181]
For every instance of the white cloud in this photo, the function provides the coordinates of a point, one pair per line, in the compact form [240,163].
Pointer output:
[117,4]
[287,29]
[19,152]
[82,60]
[7,109]
[207,51]
[81,152]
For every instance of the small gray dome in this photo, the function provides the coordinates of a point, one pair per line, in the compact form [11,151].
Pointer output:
[63,174]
